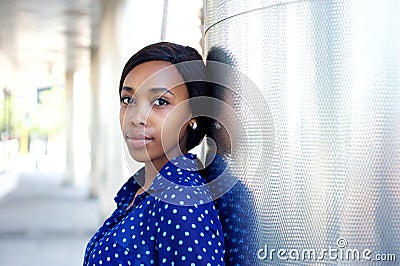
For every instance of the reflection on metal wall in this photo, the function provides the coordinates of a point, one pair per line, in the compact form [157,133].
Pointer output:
[329,72]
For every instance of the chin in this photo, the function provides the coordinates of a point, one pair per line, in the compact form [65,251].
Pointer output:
[140,156]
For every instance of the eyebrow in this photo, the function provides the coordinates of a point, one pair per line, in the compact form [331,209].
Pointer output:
[125,88]
[153,90]
[164,90]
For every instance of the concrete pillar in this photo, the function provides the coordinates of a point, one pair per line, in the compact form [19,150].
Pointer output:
[109,169]
[94,122]
[126,27]
[70,161]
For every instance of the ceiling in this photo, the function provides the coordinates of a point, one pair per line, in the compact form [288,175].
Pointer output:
[46,36]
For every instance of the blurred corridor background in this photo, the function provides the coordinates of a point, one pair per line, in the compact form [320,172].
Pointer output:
[60,63]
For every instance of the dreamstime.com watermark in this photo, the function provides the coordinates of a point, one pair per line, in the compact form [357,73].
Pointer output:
[335,253]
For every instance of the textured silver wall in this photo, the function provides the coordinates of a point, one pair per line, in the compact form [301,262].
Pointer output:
[329,72]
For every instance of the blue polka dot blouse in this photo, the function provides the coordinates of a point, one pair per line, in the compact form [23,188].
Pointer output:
[173,223]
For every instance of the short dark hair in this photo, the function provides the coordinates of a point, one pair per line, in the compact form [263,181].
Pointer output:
[193,75]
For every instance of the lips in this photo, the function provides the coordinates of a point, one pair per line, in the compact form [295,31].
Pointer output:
[138,139]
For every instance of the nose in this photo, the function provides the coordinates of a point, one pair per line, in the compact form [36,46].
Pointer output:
[137,115]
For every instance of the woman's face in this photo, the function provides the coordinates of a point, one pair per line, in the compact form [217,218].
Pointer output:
[154,114]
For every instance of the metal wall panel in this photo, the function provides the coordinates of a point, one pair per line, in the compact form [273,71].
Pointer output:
[329,73]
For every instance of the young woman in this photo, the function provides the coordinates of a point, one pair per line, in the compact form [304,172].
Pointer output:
[164,215]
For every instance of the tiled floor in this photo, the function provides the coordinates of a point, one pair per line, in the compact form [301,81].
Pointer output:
[43,222]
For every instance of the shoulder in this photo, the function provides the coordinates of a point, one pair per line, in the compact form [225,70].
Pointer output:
[186,203]
[179,183]
[185,195]
[185,189]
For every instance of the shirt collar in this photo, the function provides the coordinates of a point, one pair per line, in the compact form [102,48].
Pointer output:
[171,171]
[129,188]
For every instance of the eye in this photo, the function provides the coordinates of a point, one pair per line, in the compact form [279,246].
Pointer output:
[127,100]
[160,102]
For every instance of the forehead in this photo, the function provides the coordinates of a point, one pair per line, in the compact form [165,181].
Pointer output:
[155,74]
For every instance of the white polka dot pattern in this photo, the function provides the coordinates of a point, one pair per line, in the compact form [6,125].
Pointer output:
[155,232]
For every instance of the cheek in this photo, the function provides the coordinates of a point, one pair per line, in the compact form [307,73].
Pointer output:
[122,112]
[175,123]
[174,126]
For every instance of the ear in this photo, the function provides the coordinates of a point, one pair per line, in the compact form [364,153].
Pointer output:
[193,123]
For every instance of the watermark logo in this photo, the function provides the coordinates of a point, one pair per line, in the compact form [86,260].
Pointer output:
[340,252]
[341,243]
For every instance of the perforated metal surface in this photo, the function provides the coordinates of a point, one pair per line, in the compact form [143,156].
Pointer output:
[330,75]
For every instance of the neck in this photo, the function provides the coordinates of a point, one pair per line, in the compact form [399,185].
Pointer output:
[151,169]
